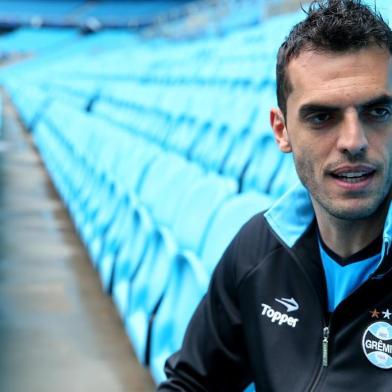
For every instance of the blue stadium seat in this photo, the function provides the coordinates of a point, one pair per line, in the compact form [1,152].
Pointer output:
[239,154]
[189,276]
[148,286]
[142,232]
[130,173]
[262,167]
[285,177]
[141,221]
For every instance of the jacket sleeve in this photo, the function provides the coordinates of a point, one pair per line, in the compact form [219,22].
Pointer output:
[213,355]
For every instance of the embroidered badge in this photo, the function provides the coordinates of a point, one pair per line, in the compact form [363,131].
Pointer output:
[377,344]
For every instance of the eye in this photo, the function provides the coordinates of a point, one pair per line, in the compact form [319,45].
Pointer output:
[379,113]
[319,119]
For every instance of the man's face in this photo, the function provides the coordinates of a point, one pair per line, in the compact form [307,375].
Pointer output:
[339,128]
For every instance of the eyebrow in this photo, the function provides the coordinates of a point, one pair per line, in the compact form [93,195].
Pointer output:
[310,108]
[381,100]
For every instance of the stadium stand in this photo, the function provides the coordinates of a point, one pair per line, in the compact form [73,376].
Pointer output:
[160,148]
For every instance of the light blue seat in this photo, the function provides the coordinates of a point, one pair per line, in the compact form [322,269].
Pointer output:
[98,185]
[235,123]
[31,102]
[95,229]
[183,135]
[234,164]
[101,198]
[58,157]
[79,203]
[66,124]
[51,152]
[262,166]
[130,172]
[188,281]
[190,274]
[142,225]
[285,177]
[139,222]
[212,149]
[148,286]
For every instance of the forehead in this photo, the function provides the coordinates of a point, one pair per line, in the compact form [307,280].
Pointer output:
[339,78]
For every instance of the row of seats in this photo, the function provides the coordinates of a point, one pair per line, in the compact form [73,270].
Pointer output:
[80,12]
[154,223]
[35,41]
[241,150]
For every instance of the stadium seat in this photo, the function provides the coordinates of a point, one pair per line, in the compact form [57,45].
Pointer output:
[262,167]
[144,225]
[186,234]
[190,274]
[140,221]
[130,172]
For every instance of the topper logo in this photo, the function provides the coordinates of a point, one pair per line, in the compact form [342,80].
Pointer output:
[290,303]
[278,317]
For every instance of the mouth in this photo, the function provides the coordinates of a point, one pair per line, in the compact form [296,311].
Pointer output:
[353,175]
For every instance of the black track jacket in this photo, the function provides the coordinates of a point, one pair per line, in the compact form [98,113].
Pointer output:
[265,319]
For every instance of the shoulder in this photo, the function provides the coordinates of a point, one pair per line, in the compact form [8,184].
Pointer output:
[254,241]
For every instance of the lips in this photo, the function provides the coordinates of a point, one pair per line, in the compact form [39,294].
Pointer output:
[353,174]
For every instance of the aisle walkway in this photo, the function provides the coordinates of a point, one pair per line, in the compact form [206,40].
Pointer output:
[58,331]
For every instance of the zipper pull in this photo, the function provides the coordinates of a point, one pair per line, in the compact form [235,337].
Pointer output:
[325,346]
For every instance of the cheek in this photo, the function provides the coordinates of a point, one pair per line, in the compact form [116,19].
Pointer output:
[307,156]
[388,148]
[388,159]
[305,164]
[382,150]
[318,150]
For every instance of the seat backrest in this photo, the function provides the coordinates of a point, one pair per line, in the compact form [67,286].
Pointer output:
[182,235]
[238,156]
[262,167]
[165,209]
[286,176]
[159,172]
[197,207]
[186,285]
[133,161]
[226,223]
[188,280]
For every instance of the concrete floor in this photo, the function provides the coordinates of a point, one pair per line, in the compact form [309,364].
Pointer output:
[58,331]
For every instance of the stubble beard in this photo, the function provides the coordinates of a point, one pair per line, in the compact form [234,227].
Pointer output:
[331,206]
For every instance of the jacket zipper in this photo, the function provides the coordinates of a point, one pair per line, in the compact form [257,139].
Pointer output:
[325,346]
[326,321]
[324,358]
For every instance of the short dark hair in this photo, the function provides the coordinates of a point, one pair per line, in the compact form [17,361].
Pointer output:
[330,26]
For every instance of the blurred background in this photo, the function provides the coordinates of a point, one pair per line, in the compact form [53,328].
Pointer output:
[134,143]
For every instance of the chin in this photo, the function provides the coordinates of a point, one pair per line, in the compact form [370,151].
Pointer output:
[355,211]
[351,215]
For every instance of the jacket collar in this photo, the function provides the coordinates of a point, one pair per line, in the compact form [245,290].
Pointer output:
[292,214]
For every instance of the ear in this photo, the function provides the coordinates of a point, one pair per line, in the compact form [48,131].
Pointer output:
[278,125]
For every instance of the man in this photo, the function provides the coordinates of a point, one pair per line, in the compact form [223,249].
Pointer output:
[302,298]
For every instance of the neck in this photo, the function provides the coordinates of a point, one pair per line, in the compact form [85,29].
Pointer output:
[346,237]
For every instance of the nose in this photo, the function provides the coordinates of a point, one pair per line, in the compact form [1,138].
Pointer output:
[352,140]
